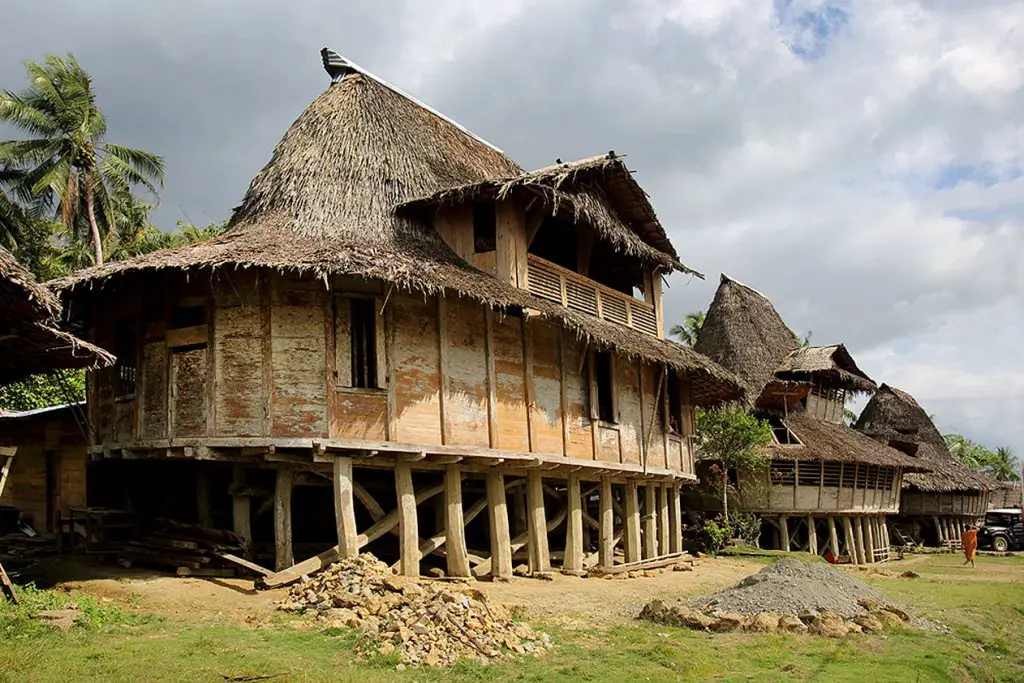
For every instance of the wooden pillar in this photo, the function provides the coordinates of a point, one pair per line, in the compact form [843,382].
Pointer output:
[344,508]
[784,532]
[675,520]
[520,518]
[573,558]
[886,542]
[851,541]
[241,513]
[812,536]
[869,532]
[632,513]
[283,557]
[938,529]
[204,511]
[408,524]
[663,524]
[540,557]
[650,521]
[455,526]
[606,542]
[858,527]
[501,543]
[833,537]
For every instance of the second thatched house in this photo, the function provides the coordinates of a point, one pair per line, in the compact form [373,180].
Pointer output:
[935,506]
[827,487]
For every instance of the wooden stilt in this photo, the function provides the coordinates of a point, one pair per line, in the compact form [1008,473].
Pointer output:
[784,531]
[241,510]
[501,541]
[344,508]
[664,528]
[833,537]
[851,541]
[886,542]
[283,557]
[606,544]
[869,532]
[938,530]
[675,520]
[540,557]
[204,508]
[408,524]
[812,535]
[455,526]
[858,528]
[650,521]
[632,522]
[573,559]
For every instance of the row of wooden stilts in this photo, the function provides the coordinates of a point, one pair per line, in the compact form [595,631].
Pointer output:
[866,537]
[638,519]
[951,529]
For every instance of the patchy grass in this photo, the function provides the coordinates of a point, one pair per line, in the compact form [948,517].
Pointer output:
[981,607]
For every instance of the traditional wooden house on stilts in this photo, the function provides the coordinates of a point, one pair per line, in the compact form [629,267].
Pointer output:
[935,506]
[827,486]
[405,344]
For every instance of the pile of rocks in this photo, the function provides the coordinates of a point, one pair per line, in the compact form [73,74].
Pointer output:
[425,623]
[789,596]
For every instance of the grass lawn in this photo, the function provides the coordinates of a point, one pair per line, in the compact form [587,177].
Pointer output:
[982,607]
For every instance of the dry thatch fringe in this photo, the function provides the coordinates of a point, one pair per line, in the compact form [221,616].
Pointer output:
[834,363]
[744,333]
[830,442]
[580,189]
[20,285]
[893,415]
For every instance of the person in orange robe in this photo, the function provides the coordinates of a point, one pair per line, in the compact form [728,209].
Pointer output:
[969,541]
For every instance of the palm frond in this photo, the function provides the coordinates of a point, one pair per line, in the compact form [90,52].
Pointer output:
[22,115]
[148,166]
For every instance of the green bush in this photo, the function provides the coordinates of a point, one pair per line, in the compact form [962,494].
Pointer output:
[714,534]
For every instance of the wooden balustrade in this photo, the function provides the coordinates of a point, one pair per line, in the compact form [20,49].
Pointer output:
[576,292]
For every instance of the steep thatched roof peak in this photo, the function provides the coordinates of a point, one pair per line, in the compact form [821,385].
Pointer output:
[831,365]
[894,416]
[744,333]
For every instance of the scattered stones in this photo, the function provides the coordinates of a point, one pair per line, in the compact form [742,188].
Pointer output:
[829,625]
[431,624]
[728,623]
[682,567]
[59,619]
[764,622]
[790,623]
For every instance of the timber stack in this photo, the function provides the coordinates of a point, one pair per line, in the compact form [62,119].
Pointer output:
[426,624]
[190,549]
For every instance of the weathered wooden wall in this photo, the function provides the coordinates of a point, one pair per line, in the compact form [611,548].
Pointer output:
[866,488]
[953,503]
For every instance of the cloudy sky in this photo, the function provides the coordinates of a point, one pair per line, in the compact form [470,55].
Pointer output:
[858,161]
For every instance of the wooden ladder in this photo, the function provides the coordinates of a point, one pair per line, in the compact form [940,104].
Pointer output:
[7,457]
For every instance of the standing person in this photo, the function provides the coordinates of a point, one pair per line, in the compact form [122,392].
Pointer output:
[969,541]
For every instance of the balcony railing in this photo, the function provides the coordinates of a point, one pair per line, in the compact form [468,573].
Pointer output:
[575,292]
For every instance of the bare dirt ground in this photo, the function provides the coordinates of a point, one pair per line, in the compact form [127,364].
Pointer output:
[566,600]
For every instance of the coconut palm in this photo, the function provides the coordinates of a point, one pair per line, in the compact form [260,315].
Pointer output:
[65,159]
[1003,465]
[686,332]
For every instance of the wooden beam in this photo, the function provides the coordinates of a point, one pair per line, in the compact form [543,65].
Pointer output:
[442,362]
[408,525]
[283,557]
[784,532]
[501,545]
[632,522]
[573,560]
[344,508]
[492,384]
[858,529]
[869,537]
[851,540]
[650,520]
[455,525]
[812,535]
[675,520]
[833,536]
[606,546]
[241,510]
[664,546]
[540,558]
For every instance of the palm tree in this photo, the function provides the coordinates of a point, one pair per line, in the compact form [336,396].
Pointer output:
[1003,465]
[66,158]
[687,331]
[806,341]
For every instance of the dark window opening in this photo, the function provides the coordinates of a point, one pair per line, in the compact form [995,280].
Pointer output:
[485,227]
[783,435]
[188,316]
[125,351]
[782,472]
[558,242]
[675,404]
[809,474]
[604,370]
[364,343]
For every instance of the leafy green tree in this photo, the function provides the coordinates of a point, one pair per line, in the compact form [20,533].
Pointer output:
[65,159]
[999,464]
[731,438]
[41,391]
[686,332]
[806,341]
[1003,465]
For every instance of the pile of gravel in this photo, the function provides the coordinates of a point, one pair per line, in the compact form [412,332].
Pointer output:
[791,586]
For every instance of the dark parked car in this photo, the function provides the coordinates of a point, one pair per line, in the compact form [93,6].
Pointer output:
[1003,530]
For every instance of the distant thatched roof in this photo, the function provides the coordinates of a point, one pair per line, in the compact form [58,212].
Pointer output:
[326,204]
[29,339]
[599,191]
[893,416]
[744,333]
[832,363]
[822,440]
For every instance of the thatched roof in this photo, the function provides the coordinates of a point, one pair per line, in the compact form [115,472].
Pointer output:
[893,416]
[744,333]
[833,364]
[598,191]
[30,341]
[326,204]
[822,440]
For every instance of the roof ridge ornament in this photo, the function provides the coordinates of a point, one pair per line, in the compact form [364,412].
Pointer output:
[336,66]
